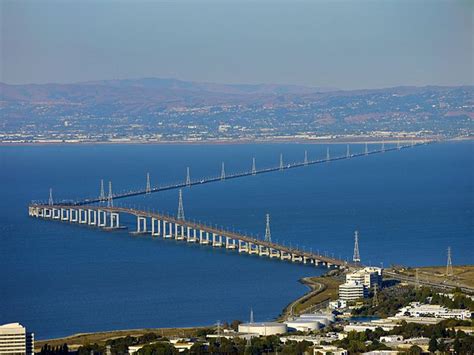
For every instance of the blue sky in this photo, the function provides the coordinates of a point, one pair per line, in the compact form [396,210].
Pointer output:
[343,44]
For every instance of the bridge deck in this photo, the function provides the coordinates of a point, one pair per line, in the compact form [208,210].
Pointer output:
[204,228]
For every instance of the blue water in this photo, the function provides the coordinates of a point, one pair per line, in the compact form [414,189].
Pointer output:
[58,279]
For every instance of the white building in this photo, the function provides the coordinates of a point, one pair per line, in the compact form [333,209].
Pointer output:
[14,339]
[263,329]
[368,276]
[416,309]
[352,291]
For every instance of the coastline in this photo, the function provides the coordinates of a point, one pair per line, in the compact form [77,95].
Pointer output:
[351,140]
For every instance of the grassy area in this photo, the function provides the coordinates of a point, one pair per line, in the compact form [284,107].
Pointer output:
[322,289]
[463,275]
[76,340]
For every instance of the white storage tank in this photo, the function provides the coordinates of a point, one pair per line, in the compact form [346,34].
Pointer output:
[263,329]
[303,325]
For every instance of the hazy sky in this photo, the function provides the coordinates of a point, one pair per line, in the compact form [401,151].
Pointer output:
[345,44]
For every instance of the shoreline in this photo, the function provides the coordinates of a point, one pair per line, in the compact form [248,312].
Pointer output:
[79,339]
[351,140]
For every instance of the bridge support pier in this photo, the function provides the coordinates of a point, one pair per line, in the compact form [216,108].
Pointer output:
[56,213]
[64,214]
[263,251]
[192,238]
[243,246]
[114,220]
[74,215]
[216,240]
[167,231]
[179,232]
[296,258]
[82,213]
[203,237]
[153,224]
[41,212]
[230,243]
[92,217]
[252,248]
[141,225]
[274,253]
[101,222]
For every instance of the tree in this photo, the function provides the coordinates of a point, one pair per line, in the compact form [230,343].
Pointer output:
[433,344]
[415,350]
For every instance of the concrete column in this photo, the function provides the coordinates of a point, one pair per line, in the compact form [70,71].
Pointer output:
[176,230]
[56,213]
[64,214]
[92,216]
[101,222]
[114,220]
[74,215]
[159,227]
[41,212]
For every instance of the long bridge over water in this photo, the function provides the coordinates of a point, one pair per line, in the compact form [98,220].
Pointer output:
[169,227]
[188,182]
[84,212]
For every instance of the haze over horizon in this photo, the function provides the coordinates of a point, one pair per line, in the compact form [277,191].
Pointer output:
[344,45]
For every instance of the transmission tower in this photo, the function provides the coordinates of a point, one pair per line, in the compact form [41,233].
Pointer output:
[356,257]
[110,201]
[449,264]
[188,177]
[268,234]
[328,157]
[281,161]
[305,157]
[254,167]
[148,184]
[180,206]
[102,191]
[223,172]
[366,149]
[348,152]
[50,201]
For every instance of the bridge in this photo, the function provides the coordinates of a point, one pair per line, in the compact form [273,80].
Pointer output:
[168,227]
[107,217]
[188,182]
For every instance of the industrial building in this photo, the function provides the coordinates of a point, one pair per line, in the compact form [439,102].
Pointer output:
[14,339]
[263,329]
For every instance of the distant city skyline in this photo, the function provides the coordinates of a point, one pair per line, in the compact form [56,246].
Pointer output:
[346,45]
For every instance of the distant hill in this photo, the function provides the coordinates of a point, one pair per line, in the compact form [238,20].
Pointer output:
[149,90]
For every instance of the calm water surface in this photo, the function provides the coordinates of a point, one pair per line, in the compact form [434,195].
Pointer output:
[58,279]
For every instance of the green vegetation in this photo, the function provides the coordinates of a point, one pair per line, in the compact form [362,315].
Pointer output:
[47,349]
[357,342]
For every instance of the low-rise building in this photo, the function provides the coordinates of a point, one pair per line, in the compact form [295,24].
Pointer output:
[417,309]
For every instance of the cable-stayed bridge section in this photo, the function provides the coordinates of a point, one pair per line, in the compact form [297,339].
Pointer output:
[169,227]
